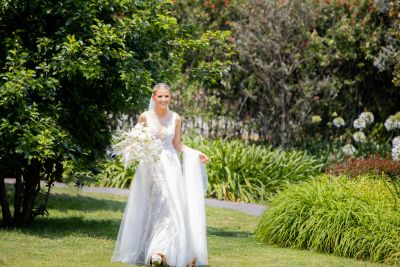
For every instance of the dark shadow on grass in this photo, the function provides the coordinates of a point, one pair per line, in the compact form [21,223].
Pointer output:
[63,202]
[227,233]
[54,228]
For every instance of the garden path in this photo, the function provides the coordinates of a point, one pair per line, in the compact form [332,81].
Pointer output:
[248,208]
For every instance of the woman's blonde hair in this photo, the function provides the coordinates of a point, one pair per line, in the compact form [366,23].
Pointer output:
[159,86]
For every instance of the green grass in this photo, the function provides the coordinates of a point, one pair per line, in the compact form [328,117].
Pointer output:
[82,228]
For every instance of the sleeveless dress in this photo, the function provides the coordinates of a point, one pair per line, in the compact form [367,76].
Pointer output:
[158,217]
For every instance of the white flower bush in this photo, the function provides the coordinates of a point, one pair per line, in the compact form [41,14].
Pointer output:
[349,150]
[393,122]
[359,124]
[137,145]
[367,116]
[338,122]
[364,119]
[359,137]
[396,148]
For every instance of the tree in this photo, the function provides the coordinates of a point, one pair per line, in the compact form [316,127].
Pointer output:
[302,58]
[270,42]
[211,20]
[66,66]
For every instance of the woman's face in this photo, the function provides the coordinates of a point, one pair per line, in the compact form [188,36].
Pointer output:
[161,97]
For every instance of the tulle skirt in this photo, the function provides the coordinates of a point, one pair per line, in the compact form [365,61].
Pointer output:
[158,217]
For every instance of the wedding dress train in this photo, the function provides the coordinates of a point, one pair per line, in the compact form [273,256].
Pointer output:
[165,209]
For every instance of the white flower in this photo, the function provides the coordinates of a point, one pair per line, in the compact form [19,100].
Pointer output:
[139,126]
[393,122]
[389,124]
[396,148]
[396,153]
[359,123]
[339,122]
[365,119]
[137,145]
[367,116]
[359,137]
[396,141]
[349,150]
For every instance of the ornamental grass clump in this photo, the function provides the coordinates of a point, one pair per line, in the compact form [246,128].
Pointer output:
[357,218]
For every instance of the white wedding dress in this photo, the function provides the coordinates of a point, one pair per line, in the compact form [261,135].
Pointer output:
[165,209]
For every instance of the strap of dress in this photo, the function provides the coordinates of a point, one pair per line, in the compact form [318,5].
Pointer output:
[173,120]
[148,117]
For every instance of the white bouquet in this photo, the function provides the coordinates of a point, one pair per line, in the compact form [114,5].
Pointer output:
[137,145]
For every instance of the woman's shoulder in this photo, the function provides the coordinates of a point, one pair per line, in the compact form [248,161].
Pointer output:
[142,117]
[177,117]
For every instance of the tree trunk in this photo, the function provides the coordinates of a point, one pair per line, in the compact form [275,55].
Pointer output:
[225,133]
[17,198]
[32,185]
[5,209]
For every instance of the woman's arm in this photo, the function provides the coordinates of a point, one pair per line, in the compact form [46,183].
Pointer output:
[177,140]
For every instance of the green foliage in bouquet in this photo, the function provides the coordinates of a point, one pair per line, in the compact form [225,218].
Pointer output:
[241,171]
[357,218]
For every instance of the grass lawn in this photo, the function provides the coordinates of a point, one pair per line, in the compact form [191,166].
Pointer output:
[82,228]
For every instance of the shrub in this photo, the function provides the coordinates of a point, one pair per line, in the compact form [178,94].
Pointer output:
[241,171]
[113,174]
[109,172]
[356,218]
[370,165]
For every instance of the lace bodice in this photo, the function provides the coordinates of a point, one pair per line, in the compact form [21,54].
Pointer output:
[163,130]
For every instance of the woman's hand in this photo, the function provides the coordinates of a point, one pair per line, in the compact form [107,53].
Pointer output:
[203,158]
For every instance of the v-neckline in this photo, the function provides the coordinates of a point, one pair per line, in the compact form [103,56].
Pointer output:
[168,118]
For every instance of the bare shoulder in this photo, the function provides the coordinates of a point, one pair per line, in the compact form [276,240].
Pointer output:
[178,118]
[142,117]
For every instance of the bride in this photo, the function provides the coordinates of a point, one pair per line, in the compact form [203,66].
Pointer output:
[164,219]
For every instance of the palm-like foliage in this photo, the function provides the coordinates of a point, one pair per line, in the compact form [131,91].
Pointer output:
[241,171]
